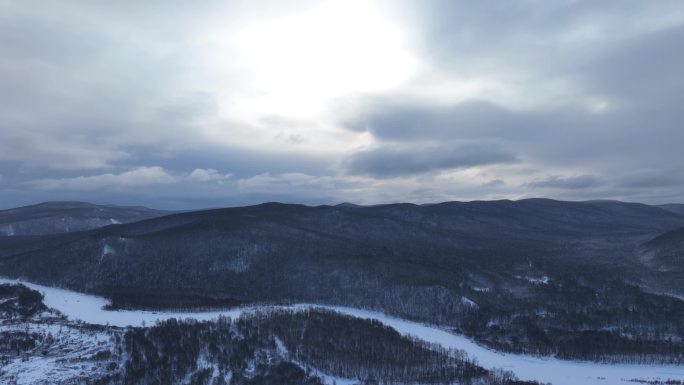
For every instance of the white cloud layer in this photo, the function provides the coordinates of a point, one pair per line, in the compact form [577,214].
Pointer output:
[142,176]
[232,102]
[137,177]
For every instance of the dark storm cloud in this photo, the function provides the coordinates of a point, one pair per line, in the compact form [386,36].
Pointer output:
[393,161]
[638,127]
[472,119]
[494,183]
[643,72]
[240,162]
[551,37]
[652,178]
[570,183]
[79,83]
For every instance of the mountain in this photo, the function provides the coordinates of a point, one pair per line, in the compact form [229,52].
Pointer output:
[673,207]
[666,251]
[61,217]
[532,275]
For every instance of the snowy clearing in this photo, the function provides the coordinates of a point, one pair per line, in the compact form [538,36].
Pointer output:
[64,354]
[88,308]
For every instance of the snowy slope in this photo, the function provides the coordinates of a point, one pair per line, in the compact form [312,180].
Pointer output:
[89,309]
[65,354]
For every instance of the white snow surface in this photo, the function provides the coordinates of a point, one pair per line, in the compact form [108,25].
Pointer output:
[89,308]
[468,302]
[106,250]
[66,360]
[539,281]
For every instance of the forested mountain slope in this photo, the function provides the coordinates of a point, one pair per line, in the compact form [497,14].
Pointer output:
[675,208]
[666,252]
[530,275]
[60,217]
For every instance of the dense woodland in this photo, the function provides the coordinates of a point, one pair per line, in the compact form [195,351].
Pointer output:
[600,321]
[181,301]
[571,279]
[268,347]
[19,301]
[614,322]
[294,344]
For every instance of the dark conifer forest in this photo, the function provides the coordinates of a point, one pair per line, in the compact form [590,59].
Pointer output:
[264,347]
[592,280]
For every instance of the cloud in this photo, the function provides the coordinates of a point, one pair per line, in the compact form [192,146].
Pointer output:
[142,176]
[569,183]
[405,121]
[494,183]
[137,177]
[267,182]
[208,175]
[43,150]
[398,160]
[652,178]
[570,99]
[642,72]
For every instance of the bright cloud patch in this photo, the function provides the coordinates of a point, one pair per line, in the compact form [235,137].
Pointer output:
[234,102]
[142,176]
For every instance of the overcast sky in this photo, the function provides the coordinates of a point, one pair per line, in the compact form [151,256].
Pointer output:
[186,104]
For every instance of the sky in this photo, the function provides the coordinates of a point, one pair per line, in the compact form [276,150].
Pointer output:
[180,105]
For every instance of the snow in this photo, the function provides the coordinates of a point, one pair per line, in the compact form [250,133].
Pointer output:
[468,302]
[106,250]
[327,378]
[203,363]
[543,280]
[8,230]
[89,309]
[332,380]
[281,346]
[63,361]
[558,372]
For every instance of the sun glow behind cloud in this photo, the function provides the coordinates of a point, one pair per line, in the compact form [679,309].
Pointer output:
[295,67]
[298,63]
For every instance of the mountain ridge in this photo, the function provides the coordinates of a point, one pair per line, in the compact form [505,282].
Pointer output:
[474,266]
[67,216]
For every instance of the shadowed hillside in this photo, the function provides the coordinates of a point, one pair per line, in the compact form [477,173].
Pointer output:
[538,271]
[61,217]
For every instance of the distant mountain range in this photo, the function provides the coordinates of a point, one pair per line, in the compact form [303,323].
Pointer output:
[537,271]
[61,217]
[675,208]
[665,253]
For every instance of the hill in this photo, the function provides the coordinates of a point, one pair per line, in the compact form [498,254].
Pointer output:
[666,251]
[673,207]
[532,275]
[61,217]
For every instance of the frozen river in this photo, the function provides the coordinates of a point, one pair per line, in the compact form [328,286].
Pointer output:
[89,308]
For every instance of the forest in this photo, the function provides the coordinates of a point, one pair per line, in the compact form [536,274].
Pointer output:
[508,274]
[273,346]
[290,347]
